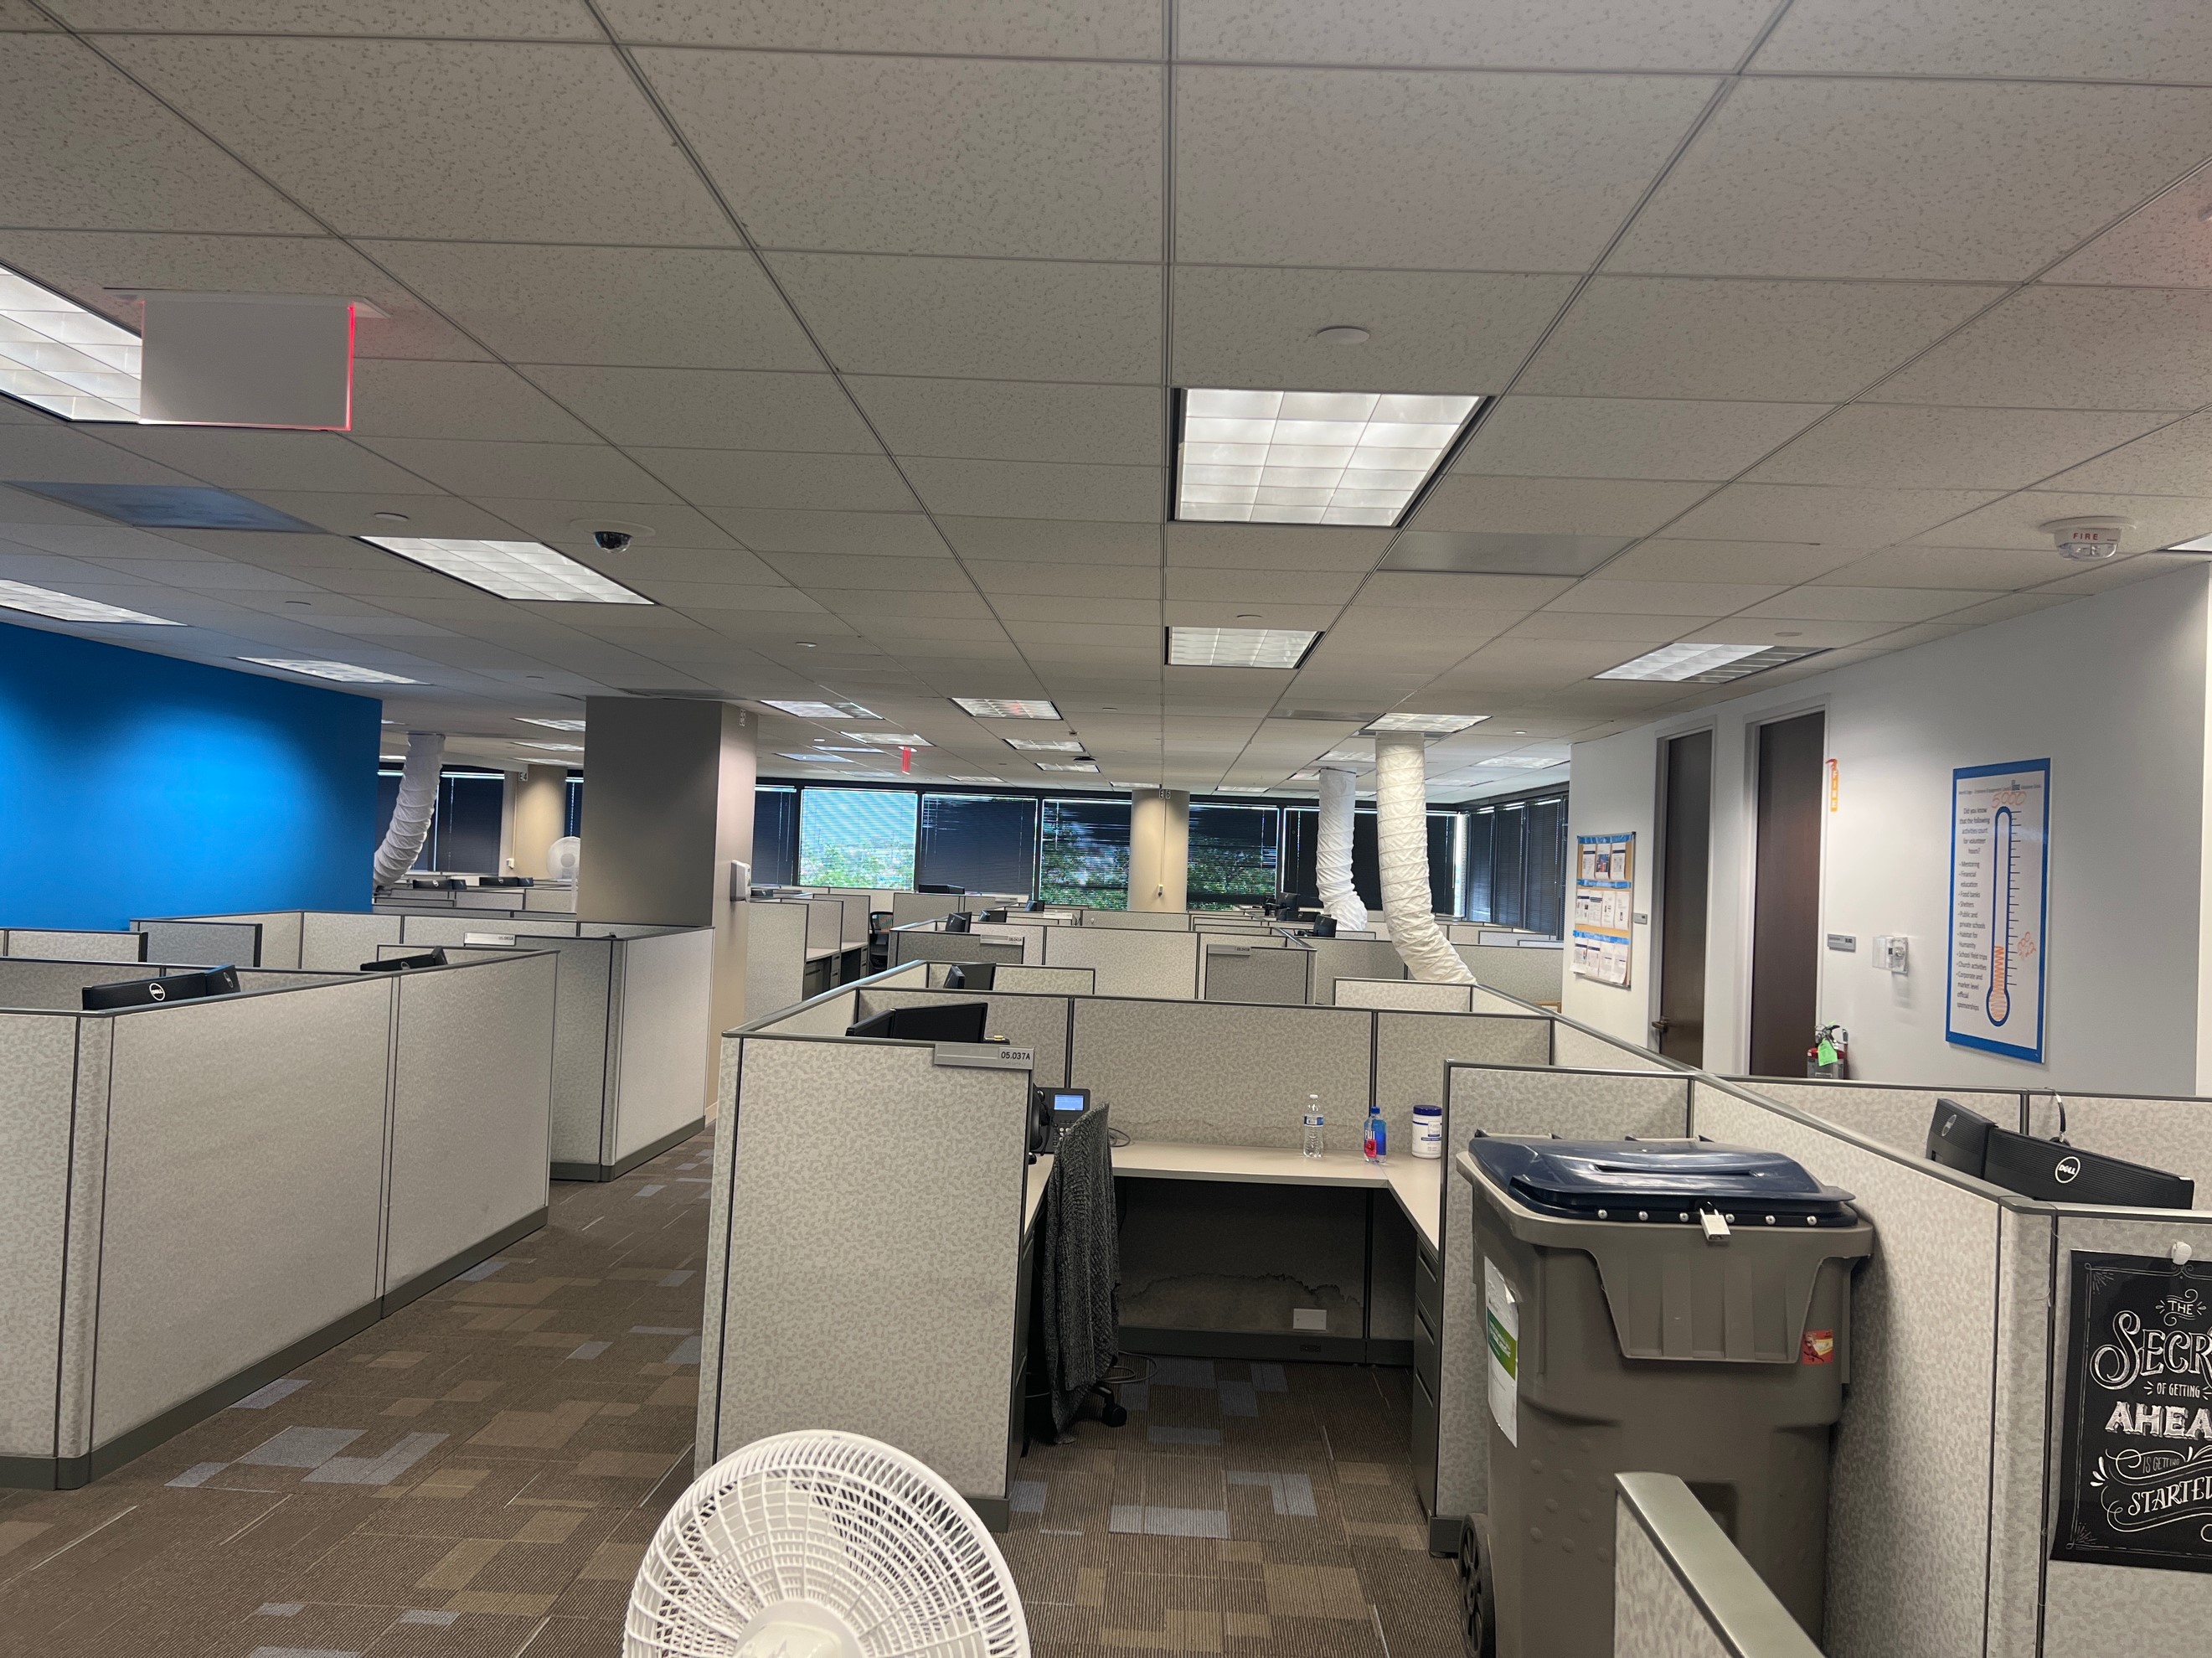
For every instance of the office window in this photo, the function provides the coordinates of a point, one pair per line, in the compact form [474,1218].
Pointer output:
[387,799]
[1506,867]
[980,843]
[775,835]
[1232,855]
[1443,863]
[1301,858]
[856,837]
[1544,866]
[572,816]
[1083,853]
[1480,823]
[464,824]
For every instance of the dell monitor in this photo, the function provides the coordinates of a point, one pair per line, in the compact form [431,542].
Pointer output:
[397,963]
[148,992]
[971,976]
[221,981]
[2050,1171]
[952,1022]
[1958,1138]
[940,888]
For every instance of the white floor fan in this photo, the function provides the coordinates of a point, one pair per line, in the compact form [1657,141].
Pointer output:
[823,1545]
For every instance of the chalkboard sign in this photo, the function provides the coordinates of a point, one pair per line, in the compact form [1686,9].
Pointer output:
[2136,1481]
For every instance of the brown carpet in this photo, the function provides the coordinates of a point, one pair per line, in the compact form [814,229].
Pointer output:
[476,1477]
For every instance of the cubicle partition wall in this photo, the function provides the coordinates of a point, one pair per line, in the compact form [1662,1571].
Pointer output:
[1535,971]
[72,944]
[1253,967]
[1681,1586]
[548,898]
[1406,993]
[927,944]
[1037,981]
[775,956]
[212,942]
[198,1195]
[1132,962]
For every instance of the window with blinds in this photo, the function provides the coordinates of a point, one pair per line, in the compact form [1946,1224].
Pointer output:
[776,836]
[856,837]
[980,843]
[1233,854]
[1083,853]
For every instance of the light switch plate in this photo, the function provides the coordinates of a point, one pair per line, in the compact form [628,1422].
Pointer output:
[1308,1317]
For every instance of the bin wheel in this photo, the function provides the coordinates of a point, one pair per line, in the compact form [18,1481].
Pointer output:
[1478,1588]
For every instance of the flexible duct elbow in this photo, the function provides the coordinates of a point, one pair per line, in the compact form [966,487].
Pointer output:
[1339,898]
[1402,823]
[411,812]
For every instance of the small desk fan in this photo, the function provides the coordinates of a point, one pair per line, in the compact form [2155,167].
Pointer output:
[823,1545]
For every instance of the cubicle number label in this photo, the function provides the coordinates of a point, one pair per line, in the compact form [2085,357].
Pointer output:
[2136,1476]
[2000,885]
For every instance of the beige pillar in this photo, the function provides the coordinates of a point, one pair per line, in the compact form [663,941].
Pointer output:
[670,808]
[1159,849]
[537,804]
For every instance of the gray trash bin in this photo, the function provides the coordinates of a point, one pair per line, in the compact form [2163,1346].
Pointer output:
[1663,1305]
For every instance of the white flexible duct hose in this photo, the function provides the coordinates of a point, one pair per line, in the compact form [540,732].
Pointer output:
[1333,857]
[1402,823]
[410,813]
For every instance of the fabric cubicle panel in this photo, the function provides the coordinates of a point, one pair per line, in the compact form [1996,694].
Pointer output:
[584,1014]
[907,908]
[472,1110]
[2171,1134]
[1218,1073]
[57,945]
[775,956]
[1254,970]
[1486,1000]
[241,1206]
[829,1014]
[825,924]
[665,1039]
[1046,981]
[891,1292]
[335,941]
[1514,1099]
[1575,1045]
[1412,1050]
[552,900]
[207,943]
[277,944]
[1654,1615]
[1404,993]
[1139,921]
[1351,958]
[38,1065]
[57,986]
[1534,973]
[1037,1022]
[1897,1117]
[1912,1487]
[430,930]
[1132,963]
[920,944]
[2099,1609]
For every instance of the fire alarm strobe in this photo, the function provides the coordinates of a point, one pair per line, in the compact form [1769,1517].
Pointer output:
[2087,540]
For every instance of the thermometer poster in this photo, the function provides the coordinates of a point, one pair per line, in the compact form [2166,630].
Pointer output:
[2000,884]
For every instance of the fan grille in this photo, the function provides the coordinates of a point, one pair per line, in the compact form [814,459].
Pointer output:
[837,1521]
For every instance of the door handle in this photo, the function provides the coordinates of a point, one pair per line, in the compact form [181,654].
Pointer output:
[1660,1024]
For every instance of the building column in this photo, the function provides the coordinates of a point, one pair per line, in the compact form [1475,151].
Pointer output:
[538,813]
[1159,849]
[671,808]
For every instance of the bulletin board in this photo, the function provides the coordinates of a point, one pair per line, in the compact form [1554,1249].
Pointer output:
[2000,886]
[1605,893]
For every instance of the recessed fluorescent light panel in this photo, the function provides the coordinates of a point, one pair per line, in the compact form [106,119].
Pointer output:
[845,748]
[975,779]
[2201,544]
[1240,789]
[511,570]
[551,725]
[1436,725]
[58,356]
[890,739]
[1067,766]
[1697,664]
[996,708]
[170,506]
[806,710]
[555,747]
[1517,763]
[1310,457]
[820,759]
[1238,647]
[68,607]
[343,672]
[1046,745]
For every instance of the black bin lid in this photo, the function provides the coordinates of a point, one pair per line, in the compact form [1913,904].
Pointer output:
[1658,1182]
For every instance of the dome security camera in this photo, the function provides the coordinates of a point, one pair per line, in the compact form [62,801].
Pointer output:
[610,540]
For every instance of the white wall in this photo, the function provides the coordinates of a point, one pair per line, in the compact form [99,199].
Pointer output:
[2113,690]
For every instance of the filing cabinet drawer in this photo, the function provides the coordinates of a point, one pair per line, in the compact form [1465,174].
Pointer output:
[1424,1445]
[1428,1285]
[1425,1364]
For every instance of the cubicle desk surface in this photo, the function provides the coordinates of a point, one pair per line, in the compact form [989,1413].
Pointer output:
[1417,1183]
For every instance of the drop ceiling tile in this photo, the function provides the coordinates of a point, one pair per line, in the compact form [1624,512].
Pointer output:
[2017,39]
[1648,598]
[507,19]
[565,522]
[1274,547]
[1031,28]
[2107,348]
[886,616]
[2175,460]
[1443,332]
[1512,595]
[1627,437]
[1547,506]
[733,477]
[1263,175]
[906,534]
[1070,540]
[551,472]
[1910,179]
[55,453]
[1888,445]
[1248,613]
[917,154]
[979,319]
[1024,489]
[824,571]
[233,459]
[88,150]
[1128,637]
[1538,664]
[1015,608]
[649,561]
[711,408]
[1001,420]
[1591,625]
[457,400]
[2018,520]
[1994,570]
[1674,34]
[1824,603]
[1774,341]
[1066,580]
[638,307]
[2161,244]
[353,129]
[2006,608]
[355,514]
[1781,563]
[1794,512]
[1291,586]
[715,595]
[1785,631]
[2124,572]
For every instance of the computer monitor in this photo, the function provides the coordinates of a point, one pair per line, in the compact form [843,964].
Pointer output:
[875,1024]
[994,917]
[222,981]
[971,976]
[1958,1138]
[960,921]
[147,992]
[2050,1171]
[1323,927]
[938,886]
[397,963]
[951,1021]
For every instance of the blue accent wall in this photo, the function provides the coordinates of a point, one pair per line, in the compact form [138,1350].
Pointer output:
[133,785]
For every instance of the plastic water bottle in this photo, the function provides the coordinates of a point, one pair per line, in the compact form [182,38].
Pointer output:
[1376,1144]
[1314,1124]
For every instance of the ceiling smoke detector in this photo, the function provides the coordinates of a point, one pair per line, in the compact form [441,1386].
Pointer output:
[2088,540]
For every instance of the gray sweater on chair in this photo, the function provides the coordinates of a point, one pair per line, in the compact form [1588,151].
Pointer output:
[1082,1268]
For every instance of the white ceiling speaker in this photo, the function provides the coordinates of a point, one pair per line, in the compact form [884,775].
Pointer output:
[2088,540]
[564,857]
[823,1545]
[1341,334]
